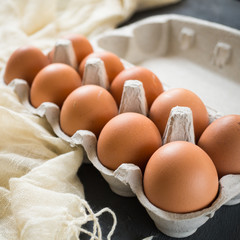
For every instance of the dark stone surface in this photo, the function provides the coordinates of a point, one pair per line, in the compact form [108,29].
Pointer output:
[133,221]
[226,12]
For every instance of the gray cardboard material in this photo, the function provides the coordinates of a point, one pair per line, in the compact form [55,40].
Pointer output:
[184,52]
[197,49]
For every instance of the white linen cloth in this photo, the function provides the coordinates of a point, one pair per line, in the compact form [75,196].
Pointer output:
[41,196]
[41,22]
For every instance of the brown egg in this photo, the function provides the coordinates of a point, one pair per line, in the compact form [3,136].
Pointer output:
[111,61]
[128,138]
[221,141]
[81,45]
[161,107]
[25,63]
[88,107]
[180,177]
[53,84]
[152,85]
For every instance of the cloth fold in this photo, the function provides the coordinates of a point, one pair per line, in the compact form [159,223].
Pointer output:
[46,200]
[41,196]
[41,22]
[27,142]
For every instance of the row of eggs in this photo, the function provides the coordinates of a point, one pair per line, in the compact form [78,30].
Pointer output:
[179,176]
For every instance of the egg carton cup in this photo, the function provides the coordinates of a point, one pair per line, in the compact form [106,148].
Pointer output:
[190,53]
[183,52]
[130,43]
[51,112]
[126,180]
[181,225]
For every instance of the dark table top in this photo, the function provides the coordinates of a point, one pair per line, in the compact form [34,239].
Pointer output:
[133,220]
[226,12]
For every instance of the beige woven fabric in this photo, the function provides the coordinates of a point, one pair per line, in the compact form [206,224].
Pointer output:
[40,194]
[27,142]
[41,22]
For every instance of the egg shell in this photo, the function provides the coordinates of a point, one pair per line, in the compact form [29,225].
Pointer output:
[161,107]
[180,177]
[129,177]
[53,84]
[81,45]
[24,63]
[89,107]
[221,141]
[151,84]
[128,138]
[111,61]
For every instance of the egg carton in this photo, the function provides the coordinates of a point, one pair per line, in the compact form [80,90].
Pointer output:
[176,39]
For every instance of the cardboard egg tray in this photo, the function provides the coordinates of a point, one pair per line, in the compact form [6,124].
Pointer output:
[182,52]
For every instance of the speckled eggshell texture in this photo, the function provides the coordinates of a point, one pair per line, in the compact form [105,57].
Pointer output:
[152,85]
[25,63]
[128,138]
[89,107]
[53,84]
[180,177]
[221,141]
[161,107]
[111,61]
